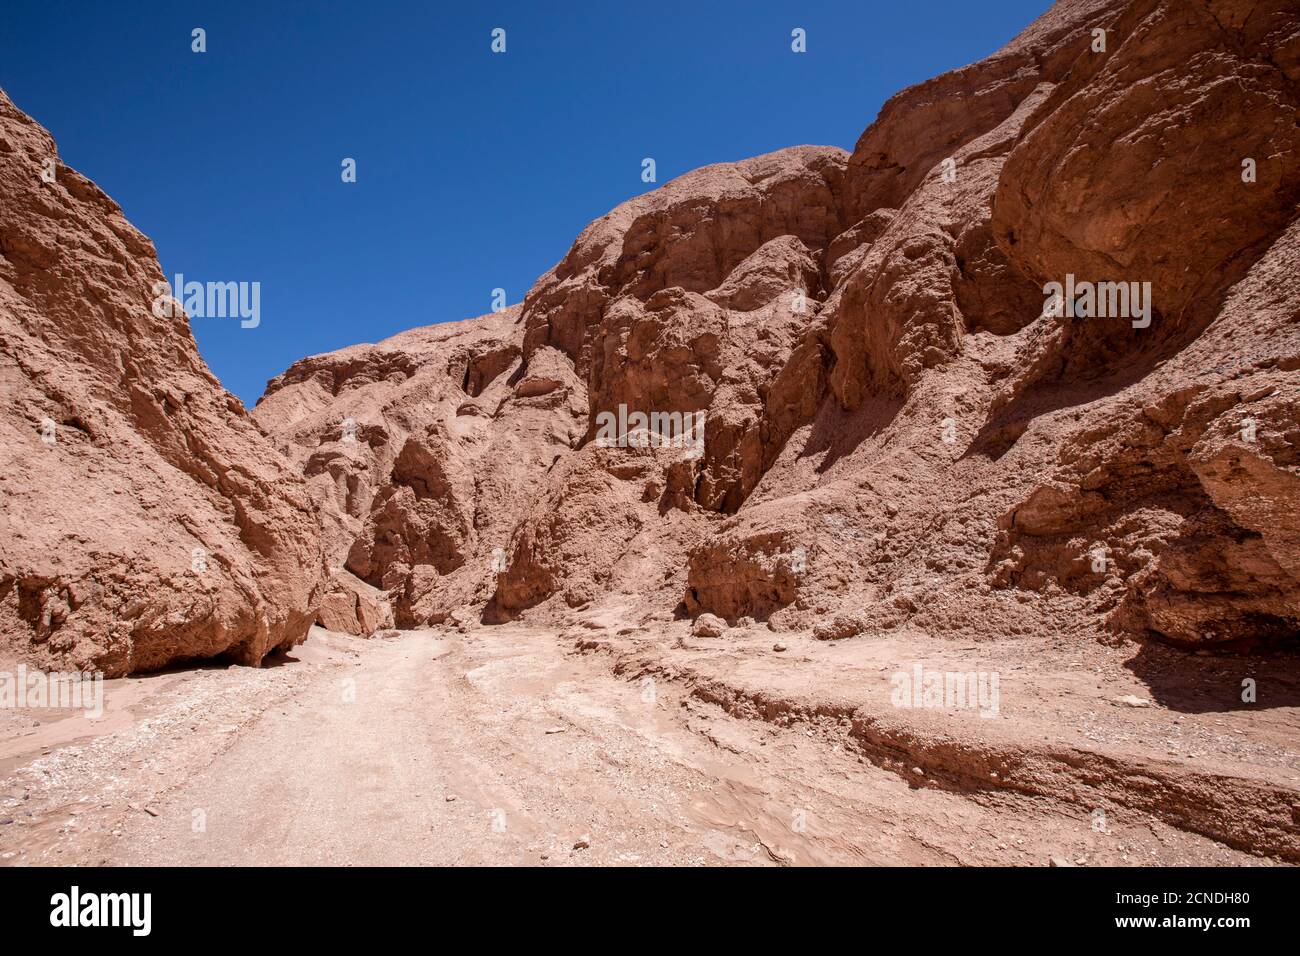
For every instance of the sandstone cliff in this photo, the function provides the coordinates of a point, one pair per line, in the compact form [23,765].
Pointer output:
[144,517]
[900,428]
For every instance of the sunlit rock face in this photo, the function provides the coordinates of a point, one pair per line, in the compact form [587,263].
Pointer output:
[904,422]
[144,516]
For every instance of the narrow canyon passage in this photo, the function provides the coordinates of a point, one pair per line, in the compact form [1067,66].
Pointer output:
[829,471]
[498,746]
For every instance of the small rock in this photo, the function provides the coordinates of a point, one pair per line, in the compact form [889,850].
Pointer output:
[152,811]
[450,798]
[582,844]
[708,625]
[556,730]
[839,627]
[778,647]
[1128,700]
[1058,861]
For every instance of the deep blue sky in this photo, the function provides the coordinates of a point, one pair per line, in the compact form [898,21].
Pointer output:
[474,170]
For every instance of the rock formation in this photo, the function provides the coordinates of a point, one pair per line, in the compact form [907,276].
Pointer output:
[902,424]
[144,517]
[1026,361]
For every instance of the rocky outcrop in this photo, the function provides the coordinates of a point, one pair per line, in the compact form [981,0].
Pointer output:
[350,606]
[1183,414]
[902,424]
[418,451]
[144,518]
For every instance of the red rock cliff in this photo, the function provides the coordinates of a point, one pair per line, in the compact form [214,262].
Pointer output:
[900,428]
[144,517]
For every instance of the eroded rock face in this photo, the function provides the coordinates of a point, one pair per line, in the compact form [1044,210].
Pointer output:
[1177,424]
[350,606]
[419,450]
[898,429]
[144,518]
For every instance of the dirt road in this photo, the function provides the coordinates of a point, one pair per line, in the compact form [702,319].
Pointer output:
[507,745]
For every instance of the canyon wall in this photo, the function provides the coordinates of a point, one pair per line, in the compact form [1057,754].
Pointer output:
[878,414]
[901,427]
[144,517]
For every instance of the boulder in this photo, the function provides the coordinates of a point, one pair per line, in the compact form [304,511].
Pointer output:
[351,606]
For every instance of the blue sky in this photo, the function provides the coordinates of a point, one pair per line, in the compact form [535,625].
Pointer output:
[474,170]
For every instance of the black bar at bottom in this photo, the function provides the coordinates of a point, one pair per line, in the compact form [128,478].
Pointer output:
[304,905]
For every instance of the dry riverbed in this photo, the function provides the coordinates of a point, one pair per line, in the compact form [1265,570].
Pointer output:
[521,745]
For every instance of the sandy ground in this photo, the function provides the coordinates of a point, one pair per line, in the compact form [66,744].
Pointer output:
[521,745]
